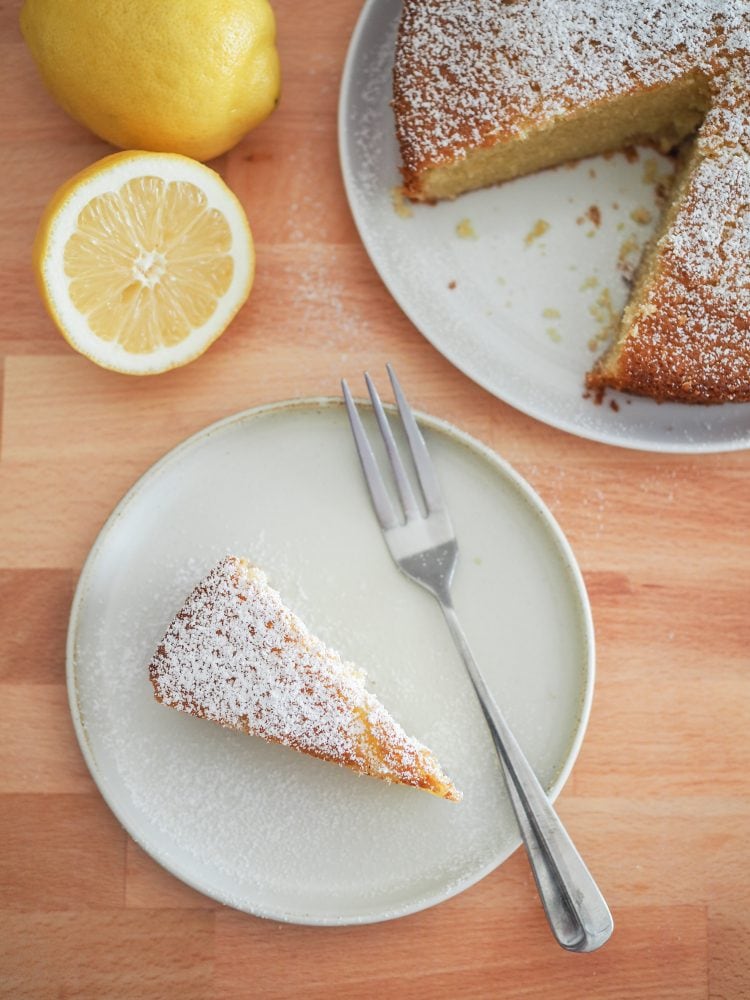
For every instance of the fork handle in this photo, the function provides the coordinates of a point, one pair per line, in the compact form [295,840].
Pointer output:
[576,910]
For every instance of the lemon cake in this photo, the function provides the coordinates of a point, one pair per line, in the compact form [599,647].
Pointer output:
[487,90]
[236,655]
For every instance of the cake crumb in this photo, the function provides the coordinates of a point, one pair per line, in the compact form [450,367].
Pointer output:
[465,230]
[660,181]
[554,334]
[641,216]
[650,172]
[604,313]
[451,285]
[628,257]
[594,214]
[591,282]
[540,227]
[551,313]
[400,204]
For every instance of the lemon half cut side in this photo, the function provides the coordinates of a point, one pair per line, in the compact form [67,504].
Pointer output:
[143,259]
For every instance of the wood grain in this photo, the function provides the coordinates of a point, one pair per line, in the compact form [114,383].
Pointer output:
[659,799]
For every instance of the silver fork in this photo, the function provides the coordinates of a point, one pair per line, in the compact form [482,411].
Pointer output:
[424,547]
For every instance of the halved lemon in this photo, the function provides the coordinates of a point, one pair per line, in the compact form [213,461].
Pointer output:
[143,259]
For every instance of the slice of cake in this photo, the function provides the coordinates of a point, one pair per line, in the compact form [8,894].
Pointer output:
[236,655]
[489,90]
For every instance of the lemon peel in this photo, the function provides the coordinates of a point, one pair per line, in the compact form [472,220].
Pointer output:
[190,77]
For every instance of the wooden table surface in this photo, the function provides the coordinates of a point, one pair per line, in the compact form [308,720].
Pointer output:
[658,801]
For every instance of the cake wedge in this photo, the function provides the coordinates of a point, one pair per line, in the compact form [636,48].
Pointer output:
[235,654]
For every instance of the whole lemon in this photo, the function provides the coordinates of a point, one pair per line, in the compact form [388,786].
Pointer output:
[179,76]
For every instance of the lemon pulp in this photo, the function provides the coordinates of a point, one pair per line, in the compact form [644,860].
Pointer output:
[143,259]
[148,263]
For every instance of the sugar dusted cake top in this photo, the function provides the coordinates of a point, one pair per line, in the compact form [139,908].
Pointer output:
[236,655]
[467,70]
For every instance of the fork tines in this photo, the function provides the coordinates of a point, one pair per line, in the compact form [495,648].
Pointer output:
[422,462]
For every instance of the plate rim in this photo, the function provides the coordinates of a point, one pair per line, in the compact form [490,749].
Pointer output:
[162,857]
[568,426]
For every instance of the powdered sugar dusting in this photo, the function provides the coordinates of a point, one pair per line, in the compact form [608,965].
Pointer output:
[236,655]
[691,336]
[466,69]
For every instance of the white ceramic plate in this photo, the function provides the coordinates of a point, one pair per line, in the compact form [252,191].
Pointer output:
[516,309]
[269,830]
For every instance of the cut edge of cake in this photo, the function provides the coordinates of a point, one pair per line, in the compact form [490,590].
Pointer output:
[665,114]
[611,370]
